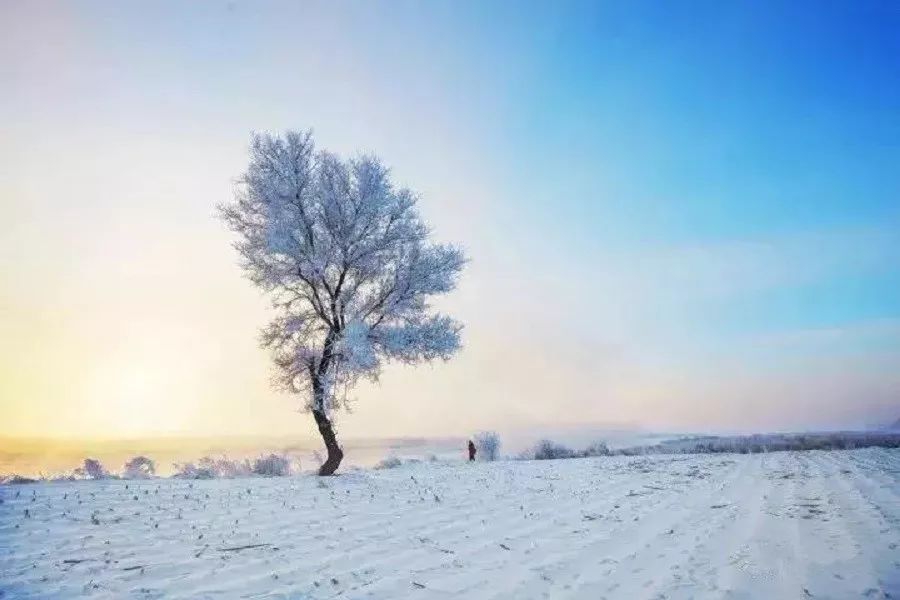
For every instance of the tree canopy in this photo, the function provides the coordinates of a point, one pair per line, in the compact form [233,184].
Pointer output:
[348,263]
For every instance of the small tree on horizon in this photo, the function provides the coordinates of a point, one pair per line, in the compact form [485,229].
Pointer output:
[349,266]
[488,444]
[139,467]
[92,469]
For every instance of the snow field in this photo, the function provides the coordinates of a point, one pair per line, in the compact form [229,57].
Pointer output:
[780,525]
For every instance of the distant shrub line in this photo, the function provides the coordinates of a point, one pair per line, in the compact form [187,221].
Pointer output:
[141,467]
[750,444]
[488,444]
[771,442]
[550,450]
[271,465]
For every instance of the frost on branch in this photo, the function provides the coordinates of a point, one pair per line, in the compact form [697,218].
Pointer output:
[348,263]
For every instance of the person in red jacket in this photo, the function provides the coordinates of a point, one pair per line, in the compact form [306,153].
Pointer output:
[471,450]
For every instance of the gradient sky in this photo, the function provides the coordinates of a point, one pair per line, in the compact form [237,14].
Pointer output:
[680,215]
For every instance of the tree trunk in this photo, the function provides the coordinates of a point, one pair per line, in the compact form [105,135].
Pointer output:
[335,454]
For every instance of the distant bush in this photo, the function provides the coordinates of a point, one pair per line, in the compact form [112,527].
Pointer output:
[596,449]
[273,465]
[213,468]
[139,467]
[390,462]
[189,470]
[224,467]
[549,450]
[17,480]
[488,445]
[92,469]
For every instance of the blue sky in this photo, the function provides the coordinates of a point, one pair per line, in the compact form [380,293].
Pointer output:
[679,215]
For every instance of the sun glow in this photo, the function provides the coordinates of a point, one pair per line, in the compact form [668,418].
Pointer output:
[124,396]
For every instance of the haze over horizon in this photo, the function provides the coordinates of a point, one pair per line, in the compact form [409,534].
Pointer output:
[677,220]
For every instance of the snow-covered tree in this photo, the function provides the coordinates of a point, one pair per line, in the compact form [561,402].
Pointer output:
[139,467]
[349,266]
[488,444]
[92,469]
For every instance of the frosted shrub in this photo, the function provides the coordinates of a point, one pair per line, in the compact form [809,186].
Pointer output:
[388,463]
[209,467]
[17,480]
[549,450]
[92,469]
[191,471]
[596,449]
[488,445]
[226,468]
[139,467]
[273,465]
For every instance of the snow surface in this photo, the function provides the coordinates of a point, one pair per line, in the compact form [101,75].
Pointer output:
[780,525]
